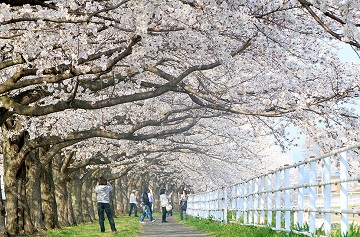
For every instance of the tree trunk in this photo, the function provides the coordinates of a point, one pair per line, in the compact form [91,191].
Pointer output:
[113,198]
[77,197]
[62,201]
[122,201]
[11,184]
[87,201]
[93,203]
[62,193]
[49,205]
[18,219]
[33,190]
[71,216]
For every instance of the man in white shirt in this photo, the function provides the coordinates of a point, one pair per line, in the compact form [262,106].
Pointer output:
[133,203]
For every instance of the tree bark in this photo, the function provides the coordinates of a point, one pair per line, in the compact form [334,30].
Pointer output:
[122,201]
[33,189]
[87,191]
[18,219]
[63,189]
[77,197]
[49,204]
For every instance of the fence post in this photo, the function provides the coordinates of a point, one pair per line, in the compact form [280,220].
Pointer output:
[256,201]
[278,200]
[233,199]
[300,220]
[262,200]
[327,194]
[344,201]
[269,199]
[206,210]
[312,196]
[287,197]
[245,191]
[240,204]
[225,205]
[251,201]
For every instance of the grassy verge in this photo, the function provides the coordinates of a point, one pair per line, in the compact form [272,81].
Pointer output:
[231,230]
[125,225]
[217,229]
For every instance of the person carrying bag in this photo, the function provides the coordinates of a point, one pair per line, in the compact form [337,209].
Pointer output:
[164,203]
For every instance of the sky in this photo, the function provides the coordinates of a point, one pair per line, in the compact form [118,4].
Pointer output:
[347,54]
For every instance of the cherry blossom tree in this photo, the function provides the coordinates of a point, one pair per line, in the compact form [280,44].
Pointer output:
[149,71]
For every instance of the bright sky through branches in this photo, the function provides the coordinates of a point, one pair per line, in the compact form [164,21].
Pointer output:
[347,54]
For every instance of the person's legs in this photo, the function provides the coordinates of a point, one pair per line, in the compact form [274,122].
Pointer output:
[109,216]
[135,210]
[181,214]
[131,207]
[163,217]
[149,213]
[144,213]
[101,216]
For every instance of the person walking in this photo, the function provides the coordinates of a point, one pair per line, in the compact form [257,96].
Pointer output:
[183,204]
[151,199]
[146,207]
[103,190]
[164,201]
[133,203]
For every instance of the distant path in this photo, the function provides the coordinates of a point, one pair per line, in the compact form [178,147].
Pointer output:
[171,228]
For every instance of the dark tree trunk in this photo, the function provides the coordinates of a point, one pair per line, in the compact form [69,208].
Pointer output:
[71,214]
[49,205]
[62,200]
[77,197]
[121,204]
[18,220]
[87,201]
[93,203]
[63,181]
[33,190]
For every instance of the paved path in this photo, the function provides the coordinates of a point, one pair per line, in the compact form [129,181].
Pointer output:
[171,228]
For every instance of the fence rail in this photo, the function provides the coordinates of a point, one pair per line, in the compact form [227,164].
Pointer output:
[310,192]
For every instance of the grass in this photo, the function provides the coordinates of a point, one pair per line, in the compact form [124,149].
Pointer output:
[130,227]
[125,225]
[217,229]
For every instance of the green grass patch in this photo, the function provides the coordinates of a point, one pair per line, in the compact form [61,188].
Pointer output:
[125,225]
[218,229]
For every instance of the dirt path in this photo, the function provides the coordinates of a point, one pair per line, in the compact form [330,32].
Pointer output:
[171,228]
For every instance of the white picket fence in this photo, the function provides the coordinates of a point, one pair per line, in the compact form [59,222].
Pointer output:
[305,194]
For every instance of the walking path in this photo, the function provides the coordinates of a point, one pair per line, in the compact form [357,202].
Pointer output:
[171,228]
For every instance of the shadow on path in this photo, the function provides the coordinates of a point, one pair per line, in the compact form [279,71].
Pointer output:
[171,228]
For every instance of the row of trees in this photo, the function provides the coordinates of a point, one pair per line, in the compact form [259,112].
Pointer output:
[166,92]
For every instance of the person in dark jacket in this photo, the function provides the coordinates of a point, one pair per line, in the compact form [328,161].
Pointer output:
[183,204]
[103,203]
[146,207]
